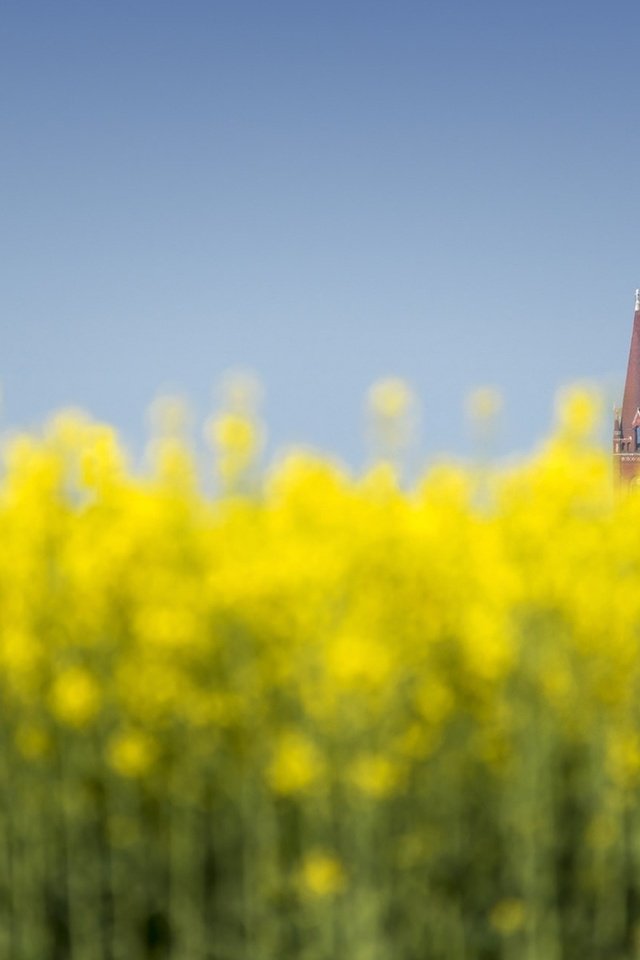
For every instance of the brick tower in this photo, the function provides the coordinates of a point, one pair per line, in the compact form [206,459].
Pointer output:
[626,423]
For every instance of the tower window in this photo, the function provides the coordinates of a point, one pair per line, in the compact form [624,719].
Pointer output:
[637,437]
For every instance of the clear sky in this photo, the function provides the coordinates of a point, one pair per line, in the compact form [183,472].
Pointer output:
[324,192]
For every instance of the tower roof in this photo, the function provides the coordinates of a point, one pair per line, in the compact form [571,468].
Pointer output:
[631,399]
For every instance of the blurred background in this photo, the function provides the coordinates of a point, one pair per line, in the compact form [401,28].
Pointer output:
[324,193]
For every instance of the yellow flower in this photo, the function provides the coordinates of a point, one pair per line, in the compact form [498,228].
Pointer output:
[75,697]
[375,775]
[328,656]
[508,916]
[235,434]
[237,440]
[296,764]
[358,661]
[390,399]
[131,753]
[322,875]
[392,413]
[101,459]
[484,404]
[578,410]
[624,757]
[169,416]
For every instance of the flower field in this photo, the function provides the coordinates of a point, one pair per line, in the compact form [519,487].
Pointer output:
[317,716]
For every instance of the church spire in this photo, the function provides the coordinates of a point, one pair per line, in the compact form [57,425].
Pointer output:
[626,430]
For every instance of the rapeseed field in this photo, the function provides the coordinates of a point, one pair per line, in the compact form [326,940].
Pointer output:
[312,715]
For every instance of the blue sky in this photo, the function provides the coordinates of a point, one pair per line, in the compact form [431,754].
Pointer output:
[323,192]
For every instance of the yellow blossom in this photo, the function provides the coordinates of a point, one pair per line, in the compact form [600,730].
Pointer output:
[508,915]
[131,753]
[296,764]
[375,775]
[246,691]
[75,696]
[484,404]
[390,398]
[322,875]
